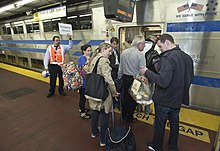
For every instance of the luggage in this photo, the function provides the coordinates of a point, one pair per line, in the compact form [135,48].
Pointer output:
[119,137]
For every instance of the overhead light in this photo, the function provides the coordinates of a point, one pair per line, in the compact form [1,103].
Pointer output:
[56,19]
[85,15]
[71,17]
[23,2]
[8,7]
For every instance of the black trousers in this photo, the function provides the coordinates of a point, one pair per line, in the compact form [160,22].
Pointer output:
[55,70]
[128,103]
[82,99]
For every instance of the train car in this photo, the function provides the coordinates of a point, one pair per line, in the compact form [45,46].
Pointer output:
[195,26]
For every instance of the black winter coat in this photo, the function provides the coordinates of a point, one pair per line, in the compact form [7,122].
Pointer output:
[173,79]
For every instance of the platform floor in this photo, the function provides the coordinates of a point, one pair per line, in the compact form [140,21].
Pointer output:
[31,122]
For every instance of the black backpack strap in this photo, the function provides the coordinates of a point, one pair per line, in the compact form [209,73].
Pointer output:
[96,64]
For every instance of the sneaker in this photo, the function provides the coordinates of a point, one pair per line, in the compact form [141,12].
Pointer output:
[150,147]
[85,116]
[95,135]
[86,110]
[102,144]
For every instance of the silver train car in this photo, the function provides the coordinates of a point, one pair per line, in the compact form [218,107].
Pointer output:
[195,26]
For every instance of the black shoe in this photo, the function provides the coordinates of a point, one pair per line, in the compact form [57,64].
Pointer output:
[49,95]
[63,93]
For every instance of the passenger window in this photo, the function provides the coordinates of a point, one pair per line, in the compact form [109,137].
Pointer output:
[22,61]
[33,27]
[6,30]
[80,20]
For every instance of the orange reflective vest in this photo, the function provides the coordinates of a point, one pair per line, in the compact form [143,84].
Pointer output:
[56,56]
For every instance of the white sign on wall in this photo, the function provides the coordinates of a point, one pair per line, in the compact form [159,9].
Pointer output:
[65,29]
[50,13]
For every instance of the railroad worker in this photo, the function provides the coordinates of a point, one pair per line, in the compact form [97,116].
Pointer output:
[101,110]
[172,89]
[114,64]
[54,57]
[130,62]
[152,62]
[83,62]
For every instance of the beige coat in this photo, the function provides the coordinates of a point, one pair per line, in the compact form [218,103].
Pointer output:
[103,69]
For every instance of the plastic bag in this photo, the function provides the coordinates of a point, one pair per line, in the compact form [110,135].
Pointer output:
[71,76]
[140,91]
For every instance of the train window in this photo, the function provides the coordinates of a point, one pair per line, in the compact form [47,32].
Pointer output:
[47,25]
[33,27]
[18,30]
[22,61]
[36,63]
[2,57]
[11,59]
[80,20]
[6,30]
[51,25]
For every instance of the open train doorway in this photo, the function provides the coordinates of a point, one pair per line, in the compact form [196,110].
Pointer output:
[127,34]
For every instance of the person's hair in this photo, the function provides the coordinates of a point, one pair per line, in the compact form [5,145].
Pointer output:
[138,39]
[84,47]
[128,41]
[114,39]
[55,37]
[151,38]
[103,45]
[165,37]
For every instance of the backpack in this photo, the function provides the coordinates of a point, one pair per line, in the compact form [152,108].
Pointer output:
[152,58]
[120,138]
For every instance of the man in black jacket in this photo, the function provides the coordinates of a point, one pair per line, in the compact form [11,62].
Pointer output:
[172,89]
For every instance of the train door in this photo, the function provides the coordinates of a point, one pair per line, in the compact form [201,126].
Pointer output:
[127,34]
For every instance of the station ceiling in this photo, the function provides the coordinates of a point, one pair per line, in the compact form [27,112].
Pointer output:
[36,5]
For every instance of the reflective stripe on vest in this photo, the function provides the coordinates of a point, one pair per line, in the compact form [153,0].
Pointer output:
[56,56]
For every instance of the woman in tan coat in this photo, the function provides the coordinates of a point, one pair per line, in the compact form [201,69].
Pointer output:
[101,110]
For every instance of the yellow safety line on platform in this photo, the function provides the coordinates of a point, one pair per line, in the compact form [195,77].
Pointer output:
[193,117]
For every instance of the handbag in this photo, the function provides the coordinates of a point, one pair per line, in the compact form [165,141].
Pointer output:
[96,87]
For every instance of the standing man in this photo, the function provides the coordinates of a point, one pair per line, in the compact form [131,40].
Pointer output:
[114,64]
[114,58]
[172,89]
[55,56]
[130,62]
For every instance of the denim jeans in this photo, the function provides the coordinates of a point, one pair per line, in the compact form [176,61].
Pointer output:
[162,113]
[104,121]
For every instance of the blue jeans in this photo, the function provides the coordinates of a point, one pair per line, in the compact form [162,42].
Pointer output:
[162,113]
[104,120]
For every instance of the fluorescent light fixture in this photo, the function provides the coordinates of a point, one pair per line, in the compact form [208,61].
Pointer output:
[46,21]
[23,2]
[71,17]
[56,19]
[8,7]
[7,25]
[85,15]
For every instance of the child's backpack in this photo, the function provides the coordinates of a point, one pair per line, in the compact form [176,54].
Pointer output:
[120,138]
